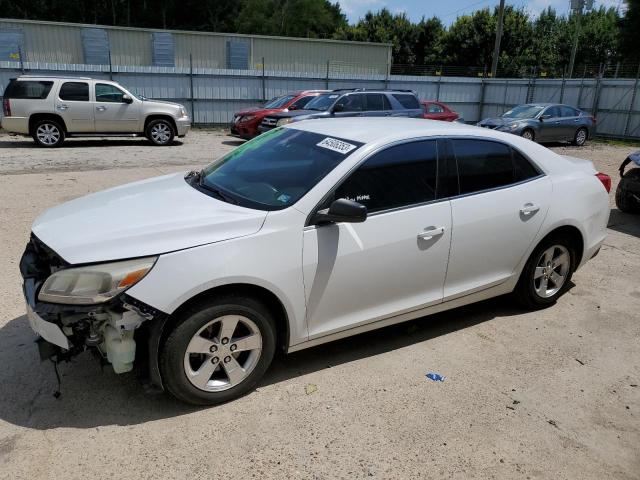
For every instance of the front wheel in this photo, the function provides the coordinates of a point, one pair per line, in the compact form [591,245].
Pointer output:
[48,134]
[528,134]
[218,351]
[580,138]
[160,132]
[547,273]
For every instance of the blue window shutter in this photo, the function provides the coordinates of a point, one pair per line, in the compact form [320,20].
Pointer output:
[238,54]
[163,49]
[95,44]
[11,44]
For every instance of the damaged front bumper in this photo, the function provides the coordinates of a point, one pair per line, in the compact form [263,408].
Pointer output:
[120,330]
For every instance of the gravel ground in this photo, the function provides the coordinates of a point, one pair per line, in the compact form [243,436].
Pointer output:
[537,395]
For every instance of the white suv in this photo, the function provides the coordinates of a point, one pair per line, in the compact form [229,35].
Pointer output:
[308,233]
[52,108]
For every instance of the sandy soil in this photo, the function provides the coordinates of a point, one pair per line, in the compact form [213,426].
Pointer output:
[531,395]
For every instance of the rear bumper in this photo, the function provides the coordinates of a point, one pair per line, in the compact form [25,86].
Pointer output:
[183,125]
[16,124]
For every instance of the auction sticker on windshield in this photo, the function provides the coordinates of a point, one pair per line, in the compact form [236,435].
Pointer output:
[336,145]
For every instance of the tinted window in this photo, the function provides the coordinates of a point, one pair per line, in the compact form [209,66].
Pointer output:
[279,102]
[387,103]
[568,112]
[396,177]
[301,103]
[352,103]
[274,170]
[28,89]
[554,112]
[434,108]
[77,91]
[523,169]
[407,100]
[482,165]
[374,101]
[108,93]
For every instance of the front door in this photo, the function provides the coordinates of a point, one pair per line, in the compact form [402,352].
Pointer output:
[395,261]
[73,105]
[504,200]
[551,129]
[112,114]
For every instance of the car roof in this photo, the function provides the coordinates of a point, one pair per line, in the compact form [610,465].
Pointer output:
[49,77]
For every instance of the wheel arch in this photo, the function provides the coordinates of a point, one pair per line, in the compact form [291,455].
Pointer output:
[36,117]
[573,233]
[161,116]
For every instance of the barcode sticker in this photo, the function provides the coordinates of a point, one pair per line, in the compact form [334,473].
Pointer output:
[336,145]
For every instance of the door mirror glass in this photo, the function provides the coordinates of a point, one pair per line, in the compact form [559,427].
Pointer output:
[338,107]
[342,210]
[545,117]
[127,99]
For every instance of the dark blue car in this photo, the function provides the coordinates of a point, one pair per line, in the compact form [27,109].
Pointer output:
[351,103]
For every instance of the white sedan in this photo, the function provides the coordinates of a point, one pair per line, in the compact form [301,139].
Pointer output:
[309,233]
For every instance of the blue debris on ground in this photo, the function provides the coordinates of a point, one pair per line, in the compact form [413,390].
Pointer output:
[436,377]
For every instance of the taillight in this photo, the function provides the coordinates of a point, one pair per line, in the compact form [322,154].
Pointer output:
[605,179]
[594,119]
[6,107]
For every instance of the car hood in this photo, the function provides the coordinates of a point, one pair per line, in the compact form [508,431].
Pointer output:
[299,113]
[163,102]
[259,111]
[500,121]
[148,217]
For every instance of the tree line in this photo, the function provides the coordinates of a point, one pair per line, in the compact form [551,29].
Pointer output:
[544,41]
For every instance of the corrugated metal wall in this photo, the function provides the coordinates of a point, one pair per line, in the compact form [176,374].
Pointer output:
[50,42]
[218,93]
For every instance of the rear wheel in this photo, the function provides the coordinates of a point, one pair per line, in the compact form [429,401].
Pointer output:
[580,138]
[529,134]
[547,273]
[160,132]
[48,134]
[625,200]
[218,351]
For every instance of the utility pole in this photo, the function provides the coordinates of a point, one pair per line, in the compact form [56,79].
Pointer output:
[577,7]
[496,48]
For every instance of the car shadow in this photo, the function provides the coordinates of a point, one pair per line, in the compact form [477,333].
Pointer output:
[233,143]
[93,396]
[624,222]
[83,143]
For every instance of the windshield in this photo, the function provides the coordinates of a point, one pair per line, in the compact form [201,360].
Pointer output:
[279,102]
[523,111]
[322,102]
[274,170]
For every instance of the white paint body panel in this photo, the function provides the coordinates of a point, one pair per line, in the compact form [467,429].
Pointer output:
[335,280]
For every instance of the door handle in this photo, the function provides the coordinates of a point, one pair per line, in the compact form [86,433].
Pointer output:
[432,232]
[529,208]
[62,107]
[101,108]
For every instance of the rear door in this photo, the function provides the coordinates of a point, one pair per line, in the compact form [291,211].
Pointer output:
[74,106]
[569,121]
[374,105]
[502,202]
[112,114]
[407,105]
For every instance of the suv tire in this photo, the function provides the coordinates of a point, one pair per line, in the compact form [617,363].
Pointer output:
[160,132]
[219,350]
[48,134]
[625,200]
[547,273]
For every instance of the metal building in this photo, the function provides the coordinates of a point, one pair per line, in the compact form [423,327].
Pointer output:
[70,43]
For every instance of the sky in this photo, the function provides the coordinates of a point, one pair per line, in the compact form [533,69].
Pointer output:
[450,9]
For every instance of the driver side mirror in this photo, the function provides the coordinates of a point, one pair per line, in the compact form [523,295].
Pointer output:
[127,99]
[338,107]
[341,210]
[292,107]
[545,117]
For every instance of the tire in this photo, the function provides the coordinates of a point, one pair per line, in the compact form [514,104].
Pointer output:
[528,134]
[529,291]
[580,138]
[624,200]
[209,375]
[160,132]
[48,134]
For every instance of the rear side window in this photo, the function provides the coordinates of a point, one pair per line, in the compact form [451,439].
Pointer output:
[31,89]
[374,102]
[407,100]
[434,108]
[483,165]
[399,176]
[75,91]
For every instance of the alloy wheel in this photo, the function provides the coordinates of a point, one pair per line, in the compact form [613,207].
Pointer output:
[223,353]
[161,133]
[48,134]
[551,271]
[581,137]
[528,134]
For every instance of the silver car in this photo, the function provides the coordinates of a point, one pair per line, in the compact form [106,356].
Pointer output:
[545,122]
[51,109]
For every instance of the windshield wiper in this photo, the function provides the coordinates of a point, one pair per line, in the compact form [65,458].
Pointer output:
[199,178]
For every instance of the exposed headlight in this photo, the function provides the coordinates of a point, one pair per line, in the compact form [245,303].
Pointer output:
[247,118]
[94,283]
[183,112]
[513,126]
[284,121]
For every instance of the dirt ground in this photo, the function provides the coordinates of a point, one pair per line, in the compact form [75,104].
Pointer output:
[552,394]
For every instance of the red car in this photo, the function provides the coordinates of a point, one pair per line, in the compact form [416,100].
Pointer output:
[438,111]
[245,122]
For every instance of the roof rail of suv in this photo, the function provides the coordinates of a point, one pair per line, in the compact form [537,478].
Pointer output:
[55,76]
[372,90]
